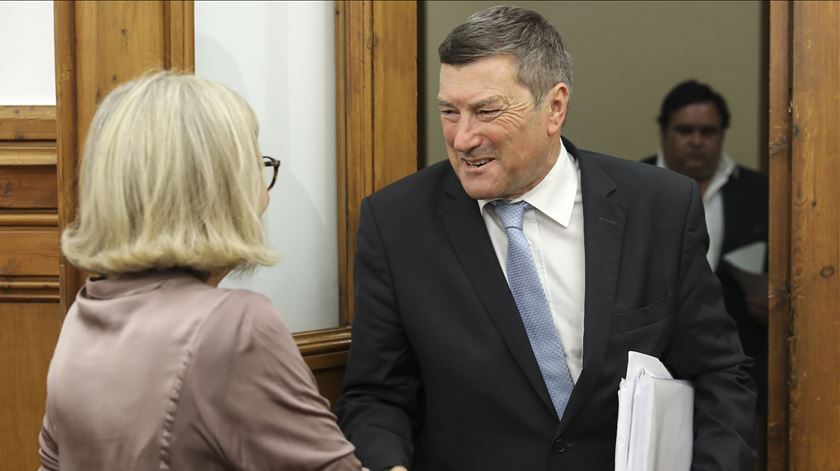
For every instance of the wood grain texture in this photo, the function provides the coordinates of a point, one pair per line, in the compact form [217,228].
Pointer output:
[376,60]
[355,152]
[779,244]
[27,123]
[329,373]
[814,434]
[27,153]
[28,252]
[29,186]
[66,149]
[28,218]
[27,339]
[29,289]
[395,91]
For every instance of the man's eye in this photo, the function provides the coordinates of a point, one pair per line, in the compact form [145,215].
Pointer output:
[448,113]
[488,112]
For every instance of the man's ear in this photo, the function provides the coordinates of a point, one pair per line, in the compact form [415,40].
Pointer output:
[557,102]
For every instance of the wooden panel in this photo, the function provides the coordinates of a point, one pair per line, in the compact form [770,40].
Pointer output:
[28,252]
[376,59]
[329,373]
[30,123]
[31,186]
[27,339]
[779,246]
[67,155]
[814,435]
[395,91]
[354,36]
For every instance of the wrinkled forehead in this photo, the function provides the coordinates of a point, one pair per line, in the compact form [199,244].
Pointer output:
[487,79]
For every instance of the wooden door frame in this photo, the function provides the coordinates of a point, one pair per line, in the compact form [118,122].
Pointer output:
[779,135]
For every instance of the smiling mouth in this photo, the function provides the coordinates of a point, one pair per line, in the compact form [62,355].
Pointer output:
[477,163]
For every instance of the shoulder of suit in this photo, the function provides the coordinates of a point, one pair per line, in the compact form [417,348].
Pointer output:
[428,181]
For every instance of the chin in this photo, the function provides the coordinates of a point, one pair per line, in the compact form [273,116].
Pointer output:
[480,193]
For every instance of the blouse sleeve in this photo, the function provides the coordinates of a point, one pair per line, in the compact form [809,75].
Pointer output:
[257,396]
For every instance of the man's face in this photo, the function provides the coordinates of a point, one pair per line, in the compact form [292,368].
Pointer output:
[692,141]
[499,144]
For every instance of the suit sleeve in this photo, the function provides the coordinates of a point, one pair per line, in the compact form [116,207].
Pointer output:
[378,408]
[706,350]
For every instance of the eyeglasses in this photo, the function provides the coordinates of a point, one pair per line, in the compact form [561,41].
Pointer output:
[270,175]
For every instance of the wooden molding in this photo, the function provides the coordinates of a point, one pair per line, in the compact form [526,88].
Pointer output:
[66,138]
[814,389]
[318,342]
[27,123]
[376,122]
[779,136]
[179,30]
[26,289]
[27,153]
[28,218]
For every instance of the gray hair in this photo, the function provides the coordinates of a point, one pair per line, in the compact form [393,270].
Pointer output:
[542,58]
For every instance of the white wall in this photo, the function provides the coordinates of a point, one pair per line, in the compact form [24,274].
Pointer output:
[280,57]
[27,76]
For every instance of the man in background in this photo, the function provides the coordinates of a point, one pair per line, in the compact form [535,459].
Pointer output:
[692,125]
[498,294]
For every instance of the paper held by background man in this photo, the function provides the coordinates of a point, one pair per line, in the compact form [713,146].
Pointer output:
[747,266]
[655,429]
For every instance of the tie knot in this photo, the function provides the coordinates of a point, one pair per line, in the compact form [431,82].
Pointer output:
[511,214]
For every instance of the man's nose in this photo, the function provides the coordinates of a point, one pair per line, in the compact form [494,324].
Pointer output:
[696,138]
[466,137]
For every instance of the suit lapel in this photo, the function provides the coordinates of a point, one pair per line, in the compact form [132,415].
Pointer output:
[467,233]
[604,221]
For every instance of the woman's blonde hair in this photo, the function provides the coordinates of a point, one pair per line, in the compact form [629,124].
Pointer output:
[171,177]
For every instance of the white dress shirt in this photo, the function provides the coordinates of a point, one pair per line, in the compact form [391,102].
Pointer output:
[712,204]
[554,229]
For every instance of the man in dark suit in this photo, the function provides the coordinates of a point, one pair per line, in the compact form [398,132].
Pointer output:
[498,294]
[692,126]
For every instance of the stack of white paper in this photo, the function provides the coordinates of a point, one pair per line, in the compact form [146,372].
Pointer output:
[655,418]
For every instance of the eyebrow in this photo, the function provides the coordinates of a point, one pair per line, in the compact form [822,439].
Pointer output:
[479,104]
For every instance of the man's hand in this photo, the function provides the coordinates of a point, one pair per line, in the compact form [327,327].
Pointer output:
[399,468]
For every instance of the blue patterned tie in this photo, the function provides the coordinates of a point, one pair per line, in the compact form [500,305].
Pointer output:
[533,306]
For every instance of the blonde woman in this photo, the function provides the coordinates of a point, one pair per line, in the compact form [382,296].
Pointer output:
[156,368]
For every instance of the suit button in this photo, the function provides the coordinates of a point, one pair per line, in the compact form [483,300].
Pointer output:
[559,446]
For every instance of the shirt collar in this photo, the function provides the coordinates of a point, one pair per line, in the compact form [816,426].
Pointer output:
[555,195]
[726,167]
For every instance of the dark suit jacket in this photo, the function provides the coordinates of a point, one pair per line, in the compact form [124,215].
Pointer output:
[745,221]
[441,375]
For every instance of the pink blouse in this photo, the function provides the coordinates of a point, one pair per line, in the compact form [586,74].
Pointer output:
[161,371]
